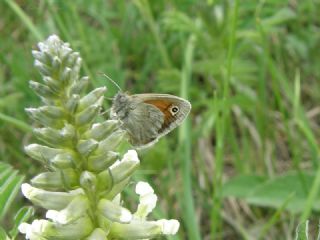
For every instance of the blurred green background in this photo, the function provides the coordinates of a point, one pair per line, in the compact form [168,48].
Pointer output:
[245,165]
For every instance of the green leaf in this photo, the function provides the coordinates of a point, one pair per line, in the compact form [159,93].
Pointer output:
[10,183]
[280,17]
[302,231]
[274,192]
[241,186]
[3,235]
[22,216]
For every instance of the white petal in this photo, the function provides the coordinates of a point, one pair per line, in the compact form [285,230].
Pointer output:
[149,200]
[116,163]
[53,38]
[143,188]
[53,215]
[26,189]
[131,155]
[169,227]
[126,216]
[24,227]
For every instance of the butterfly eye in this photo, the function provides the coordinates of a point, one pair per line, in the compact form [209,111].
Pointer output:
[174,110]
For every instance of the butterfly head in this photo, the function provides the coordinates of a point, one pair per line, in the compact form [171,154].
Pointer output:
[121,104]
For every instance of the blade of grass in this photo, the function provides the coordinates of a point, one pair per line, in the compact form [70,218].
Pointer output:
[277,78]
[15,122]
[224,112]
[304,126]
[25,19]
[145,11]
[22,215]
[237,226]
[63,28]
[311,197]
[275,218]
[189,217]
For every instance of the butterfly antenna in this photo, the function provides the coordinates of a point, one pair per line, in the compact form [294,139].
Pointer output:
[109,78]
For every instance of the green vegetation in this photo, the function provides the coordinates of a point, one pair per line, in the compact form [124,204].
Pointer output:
[246,163]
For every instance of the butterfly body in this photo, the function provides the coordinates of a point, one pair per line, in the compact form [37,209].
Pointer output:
[147,117]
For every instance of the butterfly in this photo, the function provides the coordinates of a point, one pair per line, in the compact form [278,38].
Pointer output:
[149,116]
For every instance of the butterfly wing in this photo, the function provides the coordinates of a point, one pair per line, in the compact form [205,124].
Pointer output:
[143,124]
[164,103]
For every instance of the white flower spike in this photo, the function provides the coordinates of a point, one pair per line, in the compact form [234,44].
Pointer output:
[86,175]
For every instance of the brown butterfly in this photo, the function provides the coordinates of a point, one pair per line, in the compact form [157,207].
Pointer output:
[147,117]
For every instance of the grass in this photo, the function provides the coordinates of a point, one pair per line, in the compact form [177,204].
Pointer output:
[251,71]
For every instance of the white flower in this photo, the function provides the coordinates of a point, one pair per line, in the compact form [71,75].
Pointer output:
[169,227]
[148,200]
[114,212]
[131,155]
[26,189]
[78,207]
[33,231]
[143,188]
[116,163]
[48,199]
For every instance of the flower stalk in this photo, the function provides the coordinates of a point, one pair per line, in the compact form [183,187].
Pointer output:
[81,189]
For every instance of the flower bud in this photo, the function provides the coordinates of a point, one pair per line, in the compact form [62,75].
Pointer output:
[47,199]
[91,98]
[45,230]
[52,111]
[42,153]
[44,69]
[97,234]
[65,52]
[88,181]
[42,90]
[72,103]
[77,64]
[65,76]
[76,208]
[114,212]
[105,181]
[100,131]
[111,142]
[117,188]
[87,115]
[85,147]
[42,57]
[72,59]
[63,161]
[54,136]
[144,229]
[102,161]
[104,223]
[65,179]
[68,131]
[56,64]
[41,116]
[124,168]
[79,86]
[53,84]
